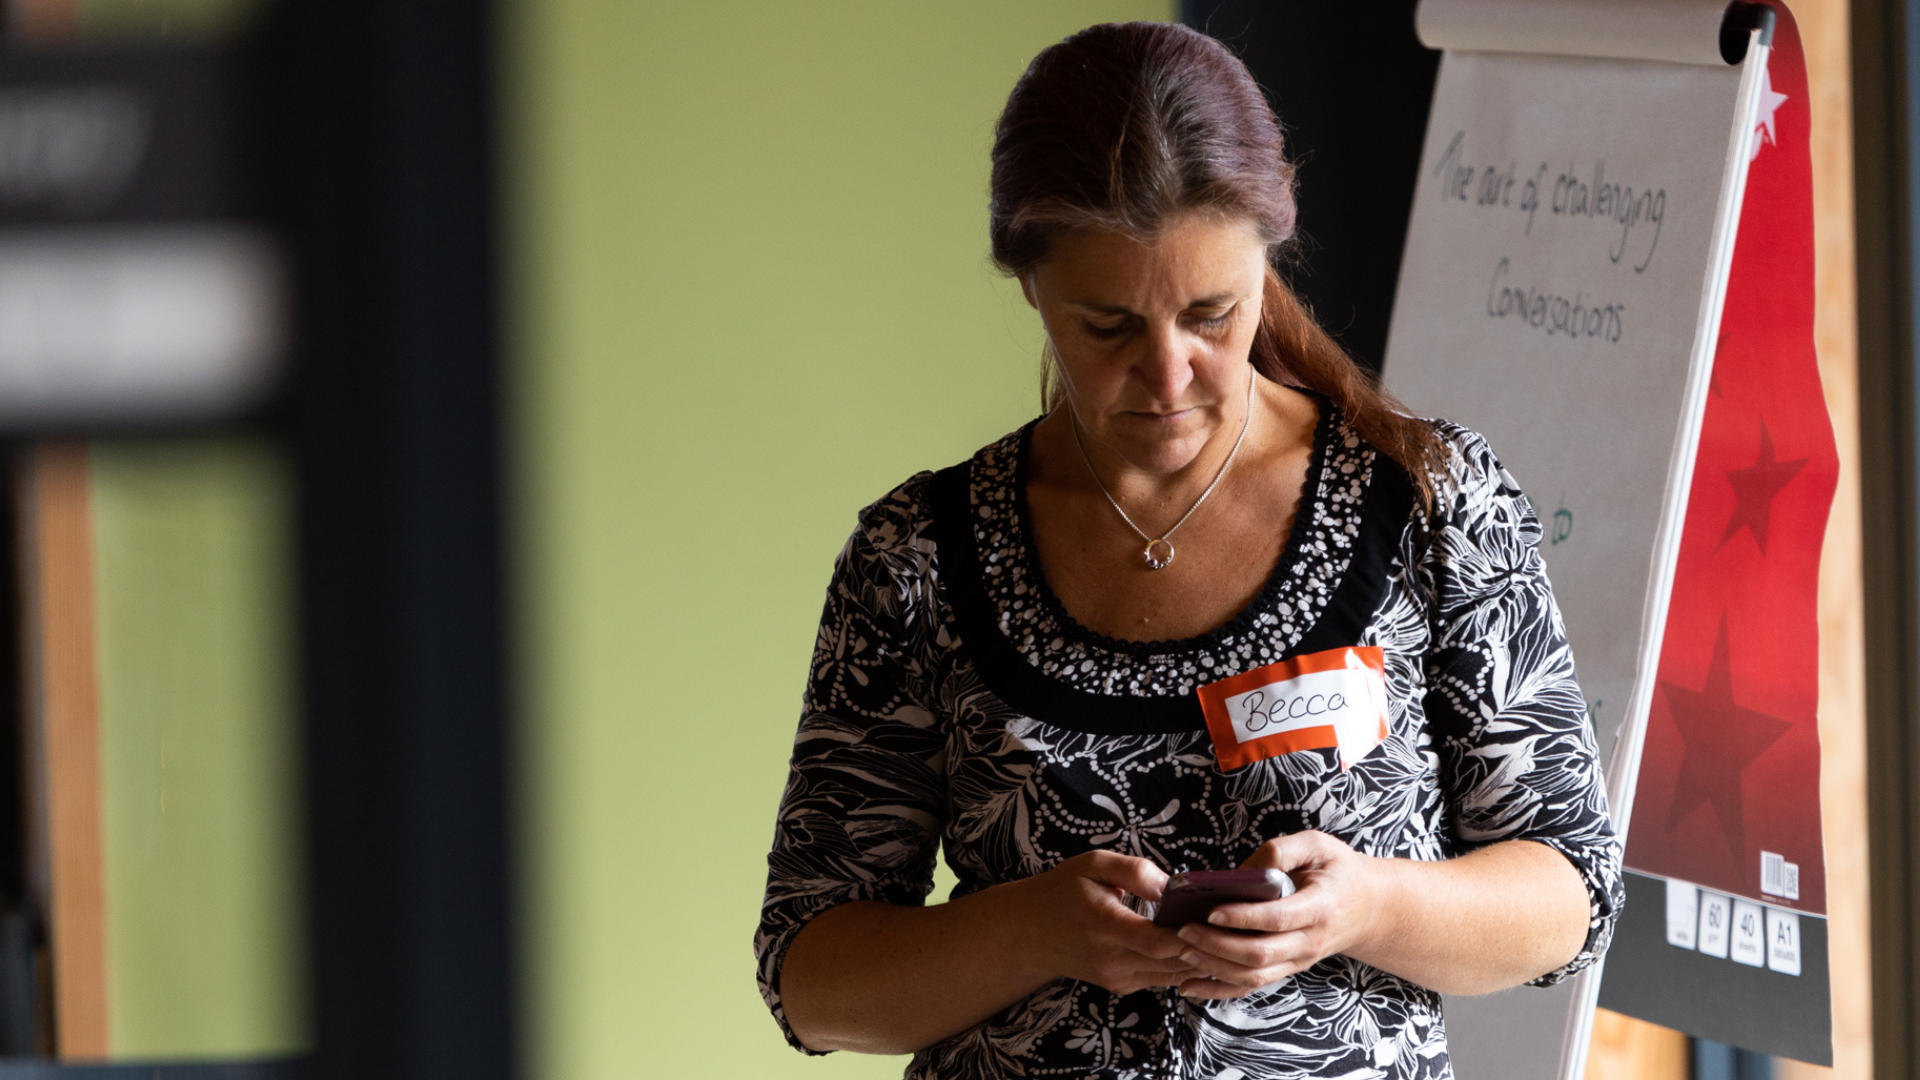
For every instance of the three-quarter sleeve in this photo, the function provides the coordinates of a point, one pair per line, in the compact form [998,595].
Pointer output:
[865,795]
[1517,757]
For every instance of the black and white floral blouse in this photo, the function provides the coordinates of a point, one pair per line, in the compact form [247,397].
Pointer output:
[953,701]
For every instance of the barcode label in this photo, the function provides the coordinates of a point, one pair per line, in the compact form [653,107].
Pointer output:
[1778,877]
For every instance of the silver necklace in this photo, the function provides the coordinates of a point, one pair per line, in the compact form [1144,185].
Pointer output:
[1155,559]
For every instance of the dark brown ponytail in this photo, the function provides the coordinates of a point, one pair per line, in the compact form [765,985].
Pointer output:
[1124,126]
[1292,347]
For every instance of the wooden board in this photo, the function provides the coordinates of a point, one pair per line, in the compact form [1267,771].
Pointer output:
[1627,1049]
[63,741]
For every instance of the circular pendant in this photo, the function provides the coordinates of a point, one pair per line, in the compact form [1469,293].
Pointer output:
[1155,559]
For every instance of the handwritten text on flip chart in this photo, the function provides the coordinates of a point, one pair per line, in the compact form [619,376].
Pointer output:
[1627,219]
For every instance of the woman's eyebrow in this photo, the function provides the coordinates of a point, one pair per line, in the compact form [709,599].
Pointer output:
[1216,300]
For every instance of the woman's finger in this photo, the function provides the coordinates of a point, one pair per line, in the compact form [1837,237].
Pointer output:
[1246,976]
[1269,917]
[1218,989]
[1137,876]
[1172,965]
[1294,851]
[1147,939]
[1211,990]
[1298,911]
[1218,952]
[1130,972]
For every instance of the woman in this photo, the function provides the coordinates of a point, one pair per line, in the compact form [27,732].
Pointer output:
[1014,652]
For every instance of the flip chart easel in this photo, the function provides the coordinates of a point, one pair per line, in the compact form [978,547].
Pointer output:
[1579,201]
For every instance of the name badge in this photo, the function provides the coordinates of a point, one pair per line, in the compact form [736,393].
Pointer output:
[1332,699]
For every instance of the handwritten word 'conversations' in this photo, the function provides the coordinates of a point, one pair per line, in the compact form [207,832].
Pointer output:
[1552,312]
[1634,215]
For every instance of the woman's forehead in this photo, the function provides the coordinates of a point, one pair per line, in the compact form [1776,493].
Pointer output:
[1193,261]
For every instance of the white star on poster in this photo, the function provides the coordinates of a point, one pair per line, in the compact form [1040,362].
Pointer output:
[1769,103]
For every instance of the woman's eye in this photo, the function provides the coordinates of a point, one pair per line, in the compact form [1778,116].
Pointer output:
[1107,333]
[1215,322]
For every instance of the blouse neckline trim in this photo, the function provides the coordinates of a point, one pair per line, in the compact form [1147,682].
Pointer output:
[1325,599]
[1307,514]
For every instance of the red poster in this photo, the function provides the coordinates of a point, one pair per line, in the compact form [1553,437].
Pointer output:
[1729,784]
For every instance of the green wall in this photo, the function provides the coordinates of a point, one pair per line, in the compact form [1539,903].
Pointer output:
[192,586]
[751,294]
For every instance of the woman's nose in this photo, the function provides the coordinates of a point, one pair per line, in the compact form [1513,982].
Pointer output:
[1166,368]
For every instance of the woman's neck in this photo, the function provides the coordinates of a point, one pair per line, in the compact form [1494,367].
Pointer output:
[1278,420]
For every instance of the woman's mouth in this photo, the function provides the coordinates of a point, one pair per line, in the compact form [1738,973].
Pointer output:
[1163,418]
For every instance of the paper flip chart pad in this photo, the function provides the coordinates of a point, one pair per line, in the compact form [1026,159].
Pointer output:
[1551,297]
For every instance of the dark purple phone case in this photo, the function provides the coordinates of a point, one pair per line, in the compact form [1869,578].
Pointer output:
[1190,896]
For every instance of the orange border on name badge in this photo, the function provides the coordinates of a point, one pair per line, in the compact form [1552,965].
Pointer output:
[1233,754]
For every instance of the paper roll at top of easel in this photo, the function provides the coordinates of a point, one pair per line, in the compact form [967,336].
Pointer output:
[1673,31]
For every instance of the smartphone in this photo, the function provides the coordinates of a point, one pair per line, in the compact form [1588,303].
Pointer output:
[1190,896]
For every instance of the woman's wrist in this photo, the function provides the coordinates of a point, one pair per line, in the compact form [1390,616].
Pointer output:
[1384,917]
[1005,926]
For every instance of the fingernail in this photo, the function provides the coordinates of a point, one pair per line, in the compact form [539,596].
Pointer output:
[1188,934]
[1216,918]
[1190,958]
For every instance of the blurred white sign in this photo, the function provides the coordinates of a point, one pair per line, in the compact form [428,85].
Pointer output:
[113,324]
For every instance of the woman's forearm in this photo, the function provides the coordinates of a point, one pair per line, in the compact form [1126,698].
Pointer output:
[1486,921]
[884,979]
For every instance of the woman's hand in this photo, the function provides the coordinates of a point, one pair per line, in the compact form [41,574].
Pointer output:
[1490,919]
[1248,946]
[1076,924]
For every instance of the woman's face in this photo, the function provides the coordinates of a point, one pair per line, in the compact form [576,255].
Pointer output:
[1153,337]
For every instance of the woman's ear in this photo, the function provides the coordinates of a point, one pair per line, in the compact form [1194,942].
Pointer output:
[1026,290]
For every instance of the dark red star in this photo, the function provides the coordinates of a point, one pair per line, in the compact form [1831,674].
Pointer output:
[1754,487]
[1722,739]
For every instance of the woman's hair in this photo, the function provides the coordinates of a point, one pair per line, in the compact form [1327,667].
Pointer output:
[1125,126]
